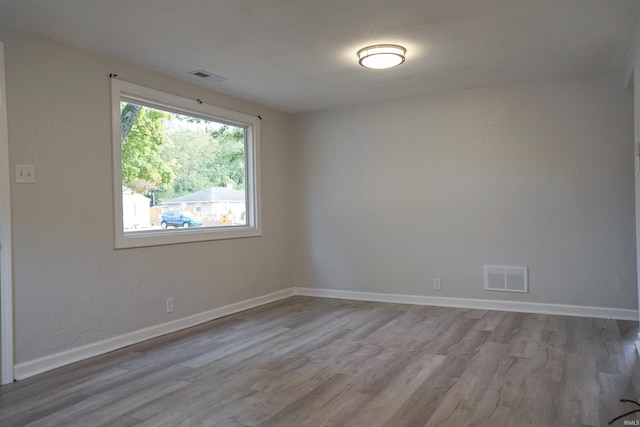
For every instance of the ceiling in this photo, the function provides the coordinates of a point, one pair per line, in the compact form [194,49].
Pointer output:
[300,55]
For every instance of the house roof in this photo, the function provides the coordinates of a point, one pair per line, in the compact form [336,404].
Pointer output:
[212,194]
[300,55]
[126,191]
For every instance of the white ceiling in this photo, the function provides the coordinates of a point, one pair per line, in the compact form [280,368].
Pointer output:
[300,55]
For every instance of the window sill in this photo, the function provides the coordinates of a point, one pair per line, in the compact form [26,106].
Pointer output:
[138,239]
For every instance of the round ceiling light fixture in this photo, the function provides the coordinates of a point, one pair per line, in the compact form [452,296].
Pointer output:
[381,56]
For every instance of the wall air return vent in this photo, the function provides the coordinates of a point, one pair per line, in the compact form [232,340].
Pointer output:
[505,279]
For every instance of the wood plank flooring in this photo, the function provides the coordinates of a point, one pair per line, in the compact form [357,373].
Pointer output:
[322,362]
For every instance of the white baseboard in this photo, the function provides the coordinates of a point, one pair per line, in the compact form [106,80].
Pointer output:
[523,307]
[47,363]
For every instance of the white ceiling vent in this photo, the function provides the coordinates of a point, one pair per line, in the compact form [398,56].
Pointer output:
[212,78]
[505,278]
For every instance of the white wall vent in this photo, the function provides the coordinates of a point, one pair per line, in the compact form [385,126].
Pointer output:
[505,278]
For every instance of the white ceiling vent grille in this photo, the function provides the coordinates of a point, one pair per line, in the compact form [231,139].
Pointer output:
[213,78]
[505,279]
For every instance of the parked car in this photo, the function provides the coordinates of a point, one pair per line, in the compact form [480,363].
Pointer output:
[178,219]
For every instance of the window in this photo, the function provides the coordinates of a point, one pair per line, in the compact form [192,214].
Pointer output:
[184,171]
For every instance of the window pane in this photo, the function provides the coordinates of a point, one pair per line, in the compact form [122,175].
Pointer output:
[180,171]
[184,171]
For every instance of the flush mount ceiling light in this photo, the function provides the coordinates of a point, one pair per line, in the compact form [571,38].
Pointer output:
[381,56]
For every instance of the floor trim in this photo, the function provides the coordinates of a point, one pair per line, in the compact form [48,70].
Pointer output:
[523,307]
[47,363]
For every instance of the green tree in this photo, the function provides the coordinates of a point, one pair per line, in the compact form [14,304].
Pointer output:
[191,152]
[203,158]
[143,169]
[230,160]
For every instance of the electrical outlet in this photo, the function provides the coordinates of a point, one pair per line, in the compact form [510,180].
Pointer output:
[436,284]
[169,305]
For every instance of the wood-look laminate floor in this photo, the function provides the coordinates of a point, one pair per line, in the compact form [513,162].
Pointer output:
[323,362]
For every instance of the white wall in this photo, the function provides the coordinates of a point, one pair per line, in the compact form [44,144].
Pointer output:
[389,195]
[634,67]
[71,287]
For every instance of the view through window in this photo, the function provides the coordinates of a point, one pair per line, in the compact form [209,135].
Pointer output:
[181,169]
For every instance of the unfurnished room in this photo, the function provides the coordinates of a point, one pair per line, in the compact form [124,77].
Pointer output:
[243,213]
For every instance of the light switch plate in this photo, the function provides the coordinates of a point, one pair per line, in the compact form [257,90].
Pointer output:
[25,174]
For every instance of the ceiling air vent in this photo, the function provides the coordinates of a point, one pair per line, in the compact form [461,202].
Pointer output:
[505,279]
[212,78]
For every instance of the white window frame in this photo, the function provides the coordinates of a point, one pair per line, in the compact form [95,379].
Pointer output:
[156,99]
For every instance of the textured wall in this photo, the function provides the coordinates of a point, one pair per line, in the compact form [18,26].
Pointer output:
[390,195]
[71,287]
[635,55]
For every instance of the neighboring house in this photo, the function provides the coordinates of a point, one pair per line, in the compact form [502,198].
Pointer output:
[136,210]
[214,205]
